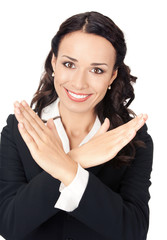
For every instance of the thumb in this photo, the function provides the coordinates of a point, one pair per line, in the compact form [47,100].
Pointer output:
[104,127]
[51,126]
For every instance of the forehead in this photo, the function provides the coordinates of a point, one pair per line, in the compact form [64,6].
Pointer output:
[88,46]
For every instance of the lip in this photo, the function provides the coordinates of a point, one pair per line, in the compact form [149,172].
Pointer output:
[78,93]
[76,99]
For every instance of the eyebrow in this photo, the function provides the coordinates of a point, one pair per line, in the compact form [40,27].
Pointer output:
[92,64]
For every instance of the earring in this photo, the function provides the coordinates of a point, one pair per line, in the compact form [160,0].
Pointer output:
[109,87]
[53,74]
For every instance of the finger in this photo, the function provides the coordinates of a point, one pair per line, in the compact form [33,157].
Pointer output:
[31,131]
[129,135]
[34,115]
[141,122]
[119,141]
[52,127]
[50,124]
[137,120]
[133,125]
[32,119]
[29,110]
[122,142]
[27,138]
[104,127]
[126,132]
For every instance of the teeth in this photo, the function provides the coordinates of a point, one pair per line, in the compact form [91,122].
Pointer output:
[77,96]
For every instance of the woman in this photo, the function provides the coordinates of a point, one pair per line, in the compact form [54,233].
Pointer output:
[78,165]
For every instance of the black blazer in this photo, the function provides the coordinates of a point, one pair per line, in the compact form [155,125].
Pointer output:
[114,205]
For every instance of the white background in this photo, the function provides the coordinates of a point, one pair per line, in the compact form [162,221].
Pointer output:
[26,30]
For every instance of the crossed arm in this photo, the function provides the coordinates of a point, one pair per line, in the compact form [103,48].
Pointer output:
[46,147]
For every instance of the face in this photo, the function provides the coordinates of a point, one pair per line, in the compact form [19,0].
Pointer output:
[84,68]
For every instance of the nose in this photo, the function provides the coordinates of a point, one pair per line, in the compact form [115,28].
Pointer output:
[79,80]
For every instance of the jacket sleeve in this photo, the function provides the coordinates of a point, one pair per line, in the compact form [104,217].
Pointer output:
[23,205]
[122,215]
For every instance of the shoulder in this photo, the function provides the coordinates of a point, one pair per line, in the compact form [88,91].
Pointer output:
[10,129]
[11,121]
[9,125]
[144,155]
[144,136]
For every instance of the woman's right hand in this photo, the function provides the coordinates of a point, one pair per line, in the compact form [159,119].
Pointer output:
[104,145]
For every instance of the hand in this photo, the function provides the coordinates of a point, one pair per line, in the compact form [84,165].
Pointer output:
[44,144]
[104,146]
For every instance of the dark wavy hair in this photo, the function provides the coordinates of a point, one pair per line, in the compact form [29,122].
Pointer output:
[115,103]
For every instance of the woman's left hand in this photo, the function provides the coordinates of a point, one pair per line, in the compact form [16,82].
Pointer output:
[44,143]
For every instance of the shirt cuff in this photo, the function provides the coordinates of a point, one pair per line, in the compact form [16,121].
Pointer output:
[71,195]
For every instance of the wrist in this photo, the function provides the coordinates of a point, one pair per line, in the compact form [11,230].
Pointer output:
[77,155]
[67,171]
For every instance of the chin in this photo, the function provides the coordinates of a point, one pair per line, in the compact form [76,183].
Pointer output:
[77,108]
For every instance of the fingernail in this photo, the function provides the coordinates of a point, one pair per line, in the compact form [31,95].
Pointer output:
[140,115]
[24,103]
[16,103]
[145,116]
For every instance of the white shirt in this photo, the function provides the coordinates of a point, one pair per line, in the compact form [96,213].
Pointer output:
[70,195]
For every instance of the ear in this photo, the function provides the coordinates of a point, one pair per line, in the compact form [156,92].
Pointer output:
[114,75]
[53,62]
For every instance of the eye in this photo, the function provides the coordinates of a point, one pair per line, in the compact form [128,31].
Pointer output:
[69,65]
[97,70]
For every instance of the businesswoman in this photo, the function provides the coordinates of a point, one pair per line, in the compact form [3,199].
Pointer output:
[76,163]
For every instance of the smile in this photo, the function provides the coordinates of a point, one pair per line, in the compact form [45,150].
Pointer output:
[77,97]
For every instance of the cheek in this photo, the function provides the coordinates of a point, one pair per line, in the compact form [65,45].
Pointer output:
[100,85]
[101,89]
[61,77]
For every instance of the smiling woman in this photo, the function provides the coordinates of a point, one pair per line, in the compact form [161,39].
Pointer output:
[76,163]
[82,77]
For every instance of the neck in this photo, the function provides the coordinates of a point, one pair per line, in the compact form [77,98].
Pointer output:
[76,124]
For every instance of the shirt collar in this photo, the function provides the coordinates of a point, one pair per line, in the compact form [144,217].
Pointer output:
[52,111]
